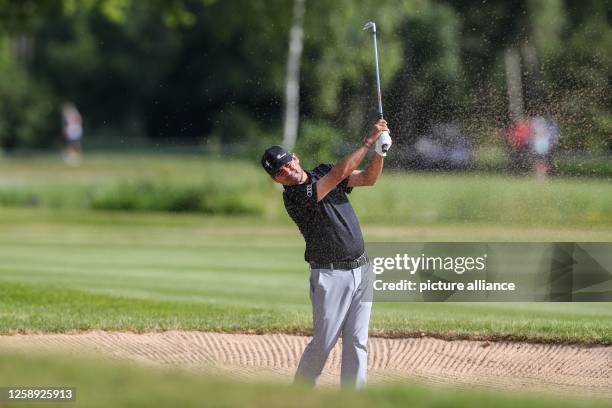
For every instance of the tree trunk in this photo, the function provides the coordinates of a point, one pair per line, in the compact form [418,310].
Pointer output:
[292,90]
[512,62]
[536,95]
[22,46]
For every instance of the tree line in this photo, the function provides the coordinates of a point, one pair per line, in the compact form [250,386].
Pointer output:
[215,72]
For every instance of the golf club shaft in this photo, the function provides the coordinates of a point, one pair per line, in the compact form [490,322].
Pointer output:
[380,109]
[385,147]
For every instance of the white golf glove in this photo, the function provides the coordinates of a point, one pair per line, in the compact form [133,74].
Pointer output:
[384,139]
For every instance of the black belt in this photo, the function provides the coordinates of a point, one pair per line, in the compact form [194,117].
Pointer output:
[355,263]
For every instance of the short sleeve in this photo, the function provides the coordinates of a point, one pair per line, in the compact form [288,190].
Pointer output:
[343,185]
[324,168]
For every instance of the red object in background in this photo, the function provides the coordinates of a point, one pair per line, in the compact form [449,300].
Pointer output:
[519,134]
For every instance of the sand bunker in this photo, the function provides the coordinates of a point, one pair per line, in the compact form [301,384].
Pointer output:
[509,365]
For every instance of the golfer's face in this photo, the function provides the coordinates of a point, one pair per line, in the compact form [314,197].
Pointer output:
[290,173]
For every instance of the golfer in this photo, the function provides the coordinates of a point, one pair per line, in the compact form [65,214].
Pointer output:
[317,202]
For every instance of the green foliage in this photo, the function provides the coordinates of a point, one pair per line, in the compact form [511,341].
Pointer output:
[339,55]
[18,198]
[19,16]
[430,78]
[150,195]
[139,182]
[317,143]
[171,70]
[579,74]
[589,167]
[236,131]
[29,114]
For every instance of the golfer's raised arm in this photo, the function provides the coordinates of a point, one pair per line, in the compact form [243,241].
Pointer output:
[370,175]
[345,167]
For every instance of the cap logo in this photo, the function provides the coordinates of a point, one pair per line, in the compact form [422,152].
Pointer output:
[280,156]
[268,164]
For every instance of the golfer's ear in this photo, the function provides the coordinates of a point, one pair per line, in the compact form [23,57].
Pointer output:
[295,157]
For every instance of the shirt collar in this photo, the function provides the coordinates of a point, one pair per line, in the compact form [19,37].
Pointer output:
[310,178]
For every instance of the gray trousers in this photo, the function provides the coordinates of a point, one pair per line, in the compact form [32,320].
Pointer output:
[338,309]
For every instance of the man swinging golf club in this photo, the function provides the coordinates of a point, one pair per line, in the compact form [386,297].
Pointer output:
[339,267]
[316,200]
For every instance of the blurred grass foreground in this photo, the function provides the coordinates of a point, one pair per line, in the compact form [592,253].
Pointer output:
[105,384]
[208,185]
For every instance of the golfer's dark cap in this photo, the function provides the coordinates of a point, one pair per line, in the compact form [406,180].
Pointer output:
[274,158]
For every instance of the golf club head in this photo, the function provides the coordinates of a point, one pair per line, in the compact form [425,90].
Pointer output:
[370,24]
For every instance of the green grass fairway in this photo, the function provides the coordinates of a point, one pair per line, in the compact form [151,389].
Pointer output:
[104,384]
[66,270]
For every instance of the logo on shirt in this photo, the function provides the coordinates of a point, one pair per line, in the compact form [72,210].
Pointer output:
[309,190]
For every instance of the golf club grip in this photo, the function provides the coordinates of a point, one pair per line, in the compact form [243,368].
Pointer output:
[384,147]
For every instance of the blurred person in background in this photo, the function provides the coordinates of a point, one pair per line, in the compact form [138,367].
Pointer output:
[72,129]
[544,137]
[518,138]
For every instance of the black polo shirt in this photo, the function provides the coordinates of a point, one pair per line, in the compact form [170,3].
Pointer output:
[330,227]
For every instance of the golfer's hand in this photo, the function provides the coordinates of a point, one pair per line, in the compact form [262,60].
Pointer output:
[379,127]
[384,139]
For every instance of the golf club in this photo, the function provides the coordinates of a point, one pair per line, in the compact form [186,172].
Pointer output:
[372,25]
